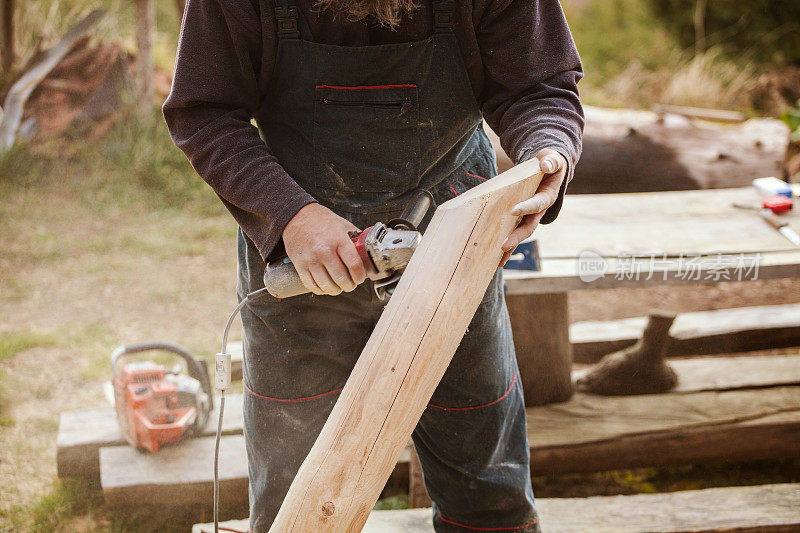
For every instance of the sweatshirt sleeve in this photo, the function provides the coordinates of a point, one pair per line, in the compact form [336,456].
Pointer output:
[532,68]
[215,94]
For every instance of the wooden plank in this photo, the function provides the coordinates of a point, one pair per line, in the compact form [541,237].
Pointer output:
[405,357]
[728,373]
[177,475]
[82,433]
[594,433]
[586,434]
[768,508]
[699,333]
[617,226]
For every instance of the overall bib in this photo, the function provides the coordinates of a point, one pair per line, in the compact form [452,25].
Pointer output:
[360,128]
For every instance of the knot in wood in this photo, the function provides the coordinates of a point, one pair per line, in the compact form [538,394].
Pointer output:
[328,508]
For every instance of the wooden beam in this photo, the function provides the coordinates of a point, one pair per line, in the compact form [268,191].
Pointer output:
[417,492]
[145,68]
[14,104]
[595,433]
[82,433]
[176,475]
[540,323]
[721,331]
[405,357]
[587,434]
[762,508]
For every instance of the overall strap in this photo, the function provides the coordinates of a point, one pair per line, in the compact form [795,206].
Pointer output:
[287,18]
[443,20]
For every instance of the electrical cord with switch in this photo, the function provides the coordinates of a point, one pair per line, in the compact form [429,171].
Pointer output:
[222,382]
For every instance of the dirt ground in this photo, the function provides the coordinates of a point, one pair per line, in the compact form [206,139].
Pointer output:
[80,275]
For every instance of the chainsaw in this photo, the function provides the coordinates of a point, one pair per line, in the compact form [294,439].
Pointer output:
[385,250]
[157,405]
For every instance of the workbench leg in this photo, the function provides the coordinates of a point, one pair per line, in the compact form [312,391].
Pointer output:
[541,339]
[417,493]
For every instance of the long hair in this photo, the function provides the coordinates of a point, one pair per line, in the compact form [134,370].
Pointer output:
[385,12]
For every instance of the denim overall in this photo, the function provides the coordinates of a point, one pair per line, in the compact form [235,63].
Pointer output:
[360,128]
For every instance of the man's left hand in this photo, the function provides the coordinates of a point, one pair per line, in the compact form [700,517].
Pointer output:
[532,210]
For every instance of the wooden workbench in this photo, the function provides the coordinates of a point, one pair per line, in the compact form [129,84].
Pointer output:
[626,237]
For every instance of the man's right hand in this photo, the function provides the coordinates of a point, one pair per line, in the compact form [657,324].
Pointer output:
[317,242]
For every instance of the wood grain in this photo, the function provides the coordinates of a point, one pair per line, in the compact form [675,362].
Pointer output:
[405,357]
[177,475]
[721,331]
[586,434]
[654,223]
[760,508]
[81,434]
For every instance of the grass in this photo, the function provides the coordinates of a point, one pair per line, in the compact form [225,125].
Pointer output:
[15,342]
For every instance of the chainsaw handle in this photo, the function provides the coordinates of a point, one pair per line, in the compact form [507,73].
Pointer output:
[196,369]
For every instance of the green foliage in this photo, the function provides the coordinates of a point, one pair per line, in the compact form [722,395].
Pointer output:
[612,34]
[143,165]
[767,31]
[792,119]
[392,503]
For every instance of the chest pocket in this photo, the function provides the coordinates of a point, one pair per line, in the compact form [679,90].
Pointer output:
[366,139]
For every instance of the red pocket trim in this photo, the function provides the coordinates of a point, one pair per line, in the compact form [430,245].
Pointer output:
[364,87]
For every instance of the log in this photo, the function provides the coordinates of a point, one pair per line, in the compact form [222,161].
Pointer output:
[14,104]
[715,115]
[405,358]
[722,331]
[635,151]
[760,508]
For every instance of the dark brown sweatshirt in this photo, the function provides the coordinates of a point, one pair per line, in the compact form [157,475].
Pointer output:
[520,57]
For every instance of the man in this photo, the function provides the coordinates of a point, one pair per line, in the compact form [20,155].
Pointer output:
[359,103]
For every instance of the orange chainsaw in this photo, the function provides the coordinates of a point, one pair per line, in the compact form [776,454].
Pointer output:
[157,405]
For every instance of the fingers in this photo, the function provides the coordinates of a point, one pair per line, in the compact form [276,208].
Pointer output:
[308,281]
[523,230]
[545,196]
[505,258]
[324,280]
[355,266]
[551,161]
